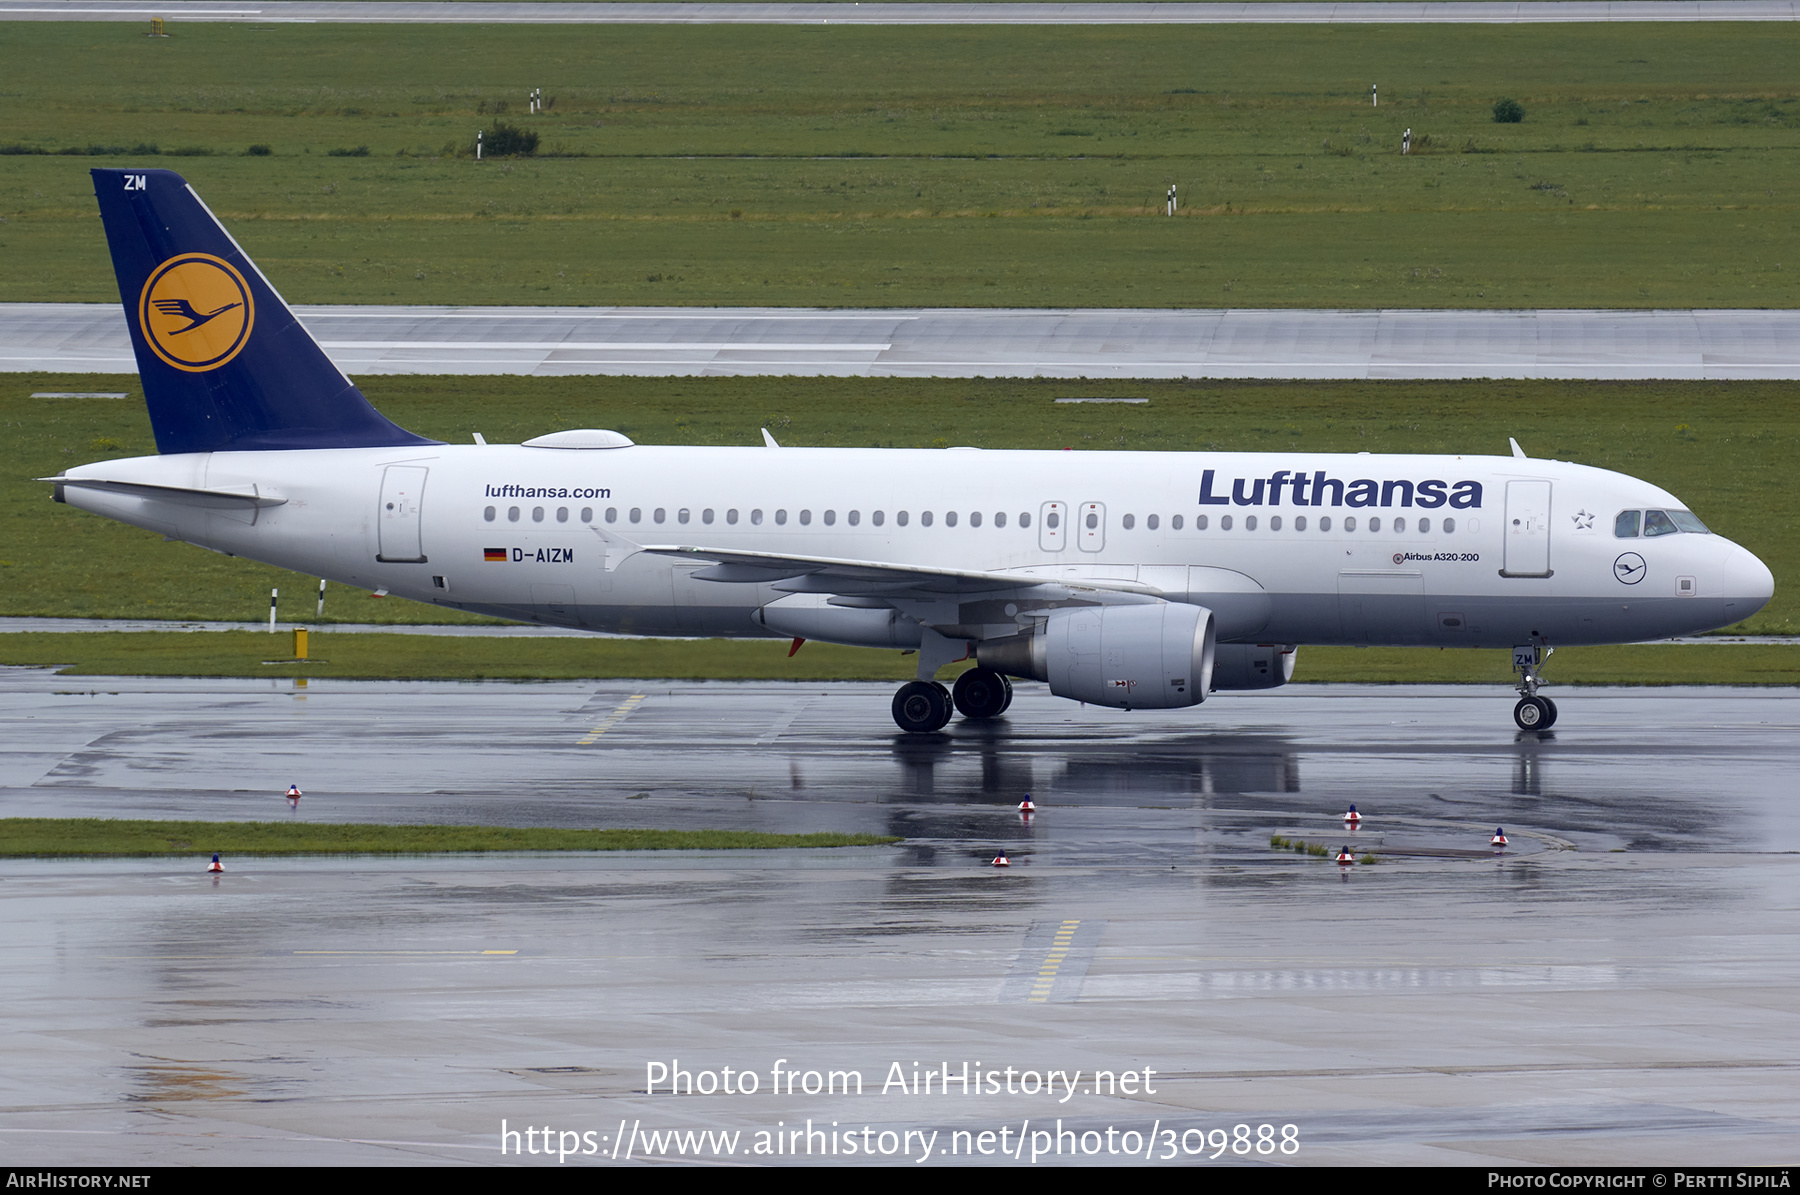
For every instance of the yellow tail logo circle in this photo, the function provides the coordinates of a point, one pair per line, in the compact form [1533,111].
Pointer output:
[196,312]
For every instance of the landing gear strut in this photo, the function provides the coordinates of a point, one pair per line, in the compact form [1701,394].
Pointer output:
[1532,712]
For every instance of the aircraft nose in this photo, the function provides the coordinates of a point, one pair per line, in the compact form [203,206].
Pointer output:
[1749,582]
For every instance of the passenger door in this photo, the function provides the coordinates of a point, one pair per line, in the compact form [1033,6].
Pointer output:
[399,538]
[1527,529]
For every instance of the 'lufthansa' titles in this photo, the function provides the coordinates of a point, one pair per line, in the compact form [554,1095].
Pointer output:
[1318,489]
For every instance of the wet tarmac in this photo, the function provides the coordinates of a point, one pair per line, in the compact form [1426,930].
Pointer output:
[1615,986]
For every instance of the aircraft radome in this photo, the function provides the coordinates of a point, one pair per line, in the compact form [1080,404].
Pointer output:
[1138,580]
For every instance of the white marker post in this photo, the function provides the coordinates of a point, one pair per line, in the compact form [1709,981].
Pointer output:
[1374,100]
[321,610]
[478,145]
[273,593]
[1406,142]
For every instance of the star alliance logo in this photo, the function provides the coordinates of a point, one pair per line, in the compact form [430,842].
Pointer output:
[1584,521]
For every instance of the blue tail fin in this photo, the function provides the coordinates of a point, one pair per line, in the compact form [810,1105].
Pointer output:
[225,365]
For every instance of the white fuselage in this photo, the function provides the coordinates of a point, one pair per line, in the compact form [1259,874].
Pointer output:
[1289,547]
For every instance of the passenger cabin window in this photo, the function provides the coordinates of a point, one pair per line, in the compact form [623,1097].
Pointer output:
[562,514]
[1150,522]
[1128,522]
[537,514]
[512,514]
[488,514]
[587,514]
[1175,522]
[1224,522]
[1299,522]
[612,514]
[706,516]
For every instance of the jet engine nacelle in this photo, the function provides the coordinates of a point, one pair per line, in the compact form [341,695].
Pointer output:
[1253,665]
[1148,657]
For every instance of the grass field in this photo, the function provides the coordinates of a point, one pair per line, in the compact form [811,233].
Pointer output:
[1725,449]
[423,657]
[44,836]
[933,166]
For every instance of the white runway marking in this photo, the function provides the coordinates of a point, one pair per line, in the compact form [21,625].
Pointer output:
[1202,343]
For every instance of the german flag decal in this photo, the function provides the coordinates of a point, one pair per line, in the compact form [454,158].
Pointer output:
[493,554]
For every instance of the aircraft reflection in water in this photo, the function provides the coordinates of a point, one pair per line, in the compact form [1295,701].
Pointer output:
[1133,580]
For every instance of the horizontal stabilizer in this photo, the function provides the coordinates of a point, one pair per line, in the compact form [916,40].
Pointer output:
[246,495]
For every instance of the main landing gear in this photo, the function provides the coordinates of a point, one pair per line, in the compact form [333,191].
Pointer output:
[922,706]
[1532,712]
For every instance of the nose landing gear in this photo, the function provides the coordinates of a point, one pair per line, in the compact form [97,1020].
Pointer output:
[1532,712]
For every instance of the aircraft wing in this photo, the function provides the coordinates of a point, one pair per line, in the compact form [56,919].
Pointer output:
[875,578]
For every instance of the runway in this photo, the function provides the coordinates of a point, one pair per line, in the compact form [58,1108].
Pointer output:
[1616,988]
[1373,12]
[702,341]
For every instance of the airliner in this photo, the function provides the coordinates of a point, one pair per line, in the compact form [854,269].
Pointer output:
[1134,580]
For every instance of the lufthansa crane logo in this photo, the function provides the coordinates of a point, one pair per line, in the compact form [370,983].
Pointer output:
[196,312]
[1629,568]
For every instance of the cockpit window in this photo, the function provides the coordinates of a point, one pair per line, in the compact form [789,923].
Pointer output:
[1657,522]
[1685,520]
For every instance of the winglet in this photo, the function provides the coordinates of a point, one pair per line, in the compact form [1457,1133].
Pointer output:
[769,440]
[1517,451]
